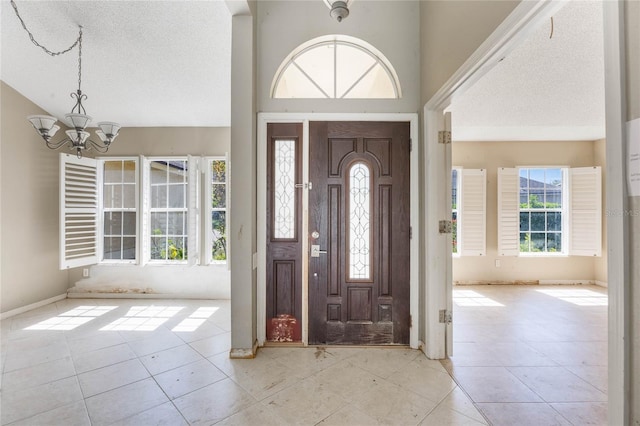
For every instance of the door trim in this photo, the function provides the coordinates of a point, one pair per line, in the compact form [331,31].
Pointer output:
[261,260]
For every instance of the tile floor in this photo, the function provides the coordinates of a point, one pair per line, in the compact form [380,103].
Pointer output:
[532,355]
[165,362]
[523,355]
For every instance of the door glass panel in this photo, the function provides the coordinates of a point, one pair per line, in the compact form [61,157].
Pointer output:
[359,222]
[284,203]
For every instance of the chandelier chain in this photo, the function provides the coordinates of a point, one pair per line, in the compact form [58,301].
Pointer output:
[33,40]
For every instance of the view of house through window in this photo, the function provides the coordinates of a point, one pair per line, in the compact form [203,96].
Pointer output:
[119,196]
[541,210]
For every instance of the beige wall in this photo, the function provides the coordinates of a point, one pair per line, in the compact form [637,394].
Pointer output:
[29,192]
[633,112]
[490,156]
[450,31]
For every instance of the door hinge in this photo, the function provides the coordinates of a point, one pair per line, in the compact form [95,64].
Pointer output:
[445,226]
[444,136]
[446,317]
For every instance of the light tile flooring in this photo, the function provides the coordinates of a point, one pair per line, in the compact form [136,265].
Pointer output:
[532,355]
[157,362]
[523,355]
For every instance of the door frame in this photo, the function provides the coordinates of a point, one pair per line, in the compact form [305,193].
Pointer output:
[260,261]
[526,17]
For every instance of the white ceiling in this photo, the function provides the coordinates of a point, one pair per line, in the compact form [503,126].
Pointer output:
[144,63]
[545,89]
[167,63]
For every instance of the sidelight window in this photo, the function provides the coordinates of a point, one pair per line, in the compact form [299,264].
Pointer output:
[284,202]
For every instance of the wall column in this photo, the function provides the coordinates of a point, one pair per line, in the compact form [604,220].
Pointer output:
[242,230]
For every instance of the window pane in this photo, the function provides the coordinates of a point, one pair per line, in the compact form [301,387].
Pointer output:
[177,196]
[112,196]
[159,196]
[113,223]
[218,235]
[454,231]
[538,221]
[218,196]
[158,223]
[554,242]
[128,196]
[536,198]
[129,248]
[158,172]
[524,242]
[524,222]
[129,223]
[177,171]
[537,241]
[554,221]
[158,248]
[218,171]
[359,222]
[176,223]
[112,171]
[129,172]
[112,248]
[524,199]
[318,64]
[524,178]
[176,248]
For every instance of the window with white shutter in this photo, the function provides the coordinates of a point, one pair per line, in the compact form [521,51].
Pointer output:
[472,212]
[508,221]
[585,211]
[78,211]
[216,202]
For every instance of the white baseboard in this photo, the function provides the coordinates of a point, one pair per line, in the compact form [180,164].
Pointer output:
[131,295]
[602,283]
[527,282]
[36,305]
[244,353]
[567,282]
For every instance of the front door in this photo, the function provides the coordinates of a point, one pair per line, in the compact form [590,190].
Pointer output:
[359,230]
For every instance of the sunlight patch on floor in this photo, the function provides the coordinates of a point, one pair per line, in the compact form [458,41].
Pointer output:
[143,318]
[578,297]
[195,320]
[72,319]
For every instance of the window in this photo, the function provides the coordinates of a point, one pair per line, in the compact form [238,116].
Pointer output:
[359,222]
[336,67]
[119,210]
[168,210]
[217,178]
[549,211]
[139,210]
[541,210]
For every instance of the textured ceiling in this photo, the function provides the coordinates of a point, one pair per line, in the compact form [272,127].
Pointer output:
[144,63]
[545,89]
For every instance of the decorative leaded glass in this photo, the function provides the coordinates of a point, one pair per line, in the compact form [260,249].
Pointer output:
[284,203]
[359,222]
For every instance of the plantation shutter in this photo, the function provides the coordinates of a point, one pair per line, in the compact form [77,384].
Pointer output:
[508,212]
[473,212]
[78,211]
[585,211]
[193,243]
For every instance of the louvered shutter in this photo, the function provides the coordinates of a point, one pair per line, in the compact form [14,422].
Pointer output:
[193,243]
[78,211]
[585,211]
[508,212]
[473,212]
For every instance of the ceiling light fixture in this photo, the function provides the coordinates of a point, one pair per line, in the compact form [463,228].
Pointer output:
[339,8]
[77,137]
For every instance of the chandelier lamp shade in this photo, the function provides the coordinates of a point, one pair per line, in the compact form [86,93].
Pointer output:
[77,137]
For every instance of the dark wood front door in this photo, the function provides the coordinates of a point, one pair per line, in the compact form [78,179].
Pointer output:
[359,224]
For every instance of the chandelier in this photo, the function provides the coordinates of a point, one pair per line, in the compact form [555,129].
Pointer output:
[77,137]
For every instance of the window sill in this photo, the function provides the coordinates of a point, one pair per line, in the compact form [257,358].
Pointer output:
[537,255]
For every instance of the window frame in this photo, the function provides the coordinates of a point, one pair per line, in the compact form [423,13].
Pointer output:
[209,209]
[101,210]
[564,210]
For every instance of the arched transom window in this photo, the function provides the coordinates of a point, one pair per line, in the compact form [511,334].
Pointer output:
[336,67]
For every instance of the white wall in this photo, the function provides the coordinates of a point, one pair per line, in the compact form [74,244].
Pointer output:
[391,27]
[29,192]
[210,281]
[490,156]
